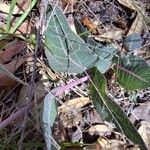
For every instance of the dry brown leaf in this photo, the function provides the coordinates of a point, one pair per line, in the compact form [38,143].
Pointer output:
[11,67]
[137,25]
[19,9]
[127,3]
[70,112]
[89,24]
[114,144]
[23,4]
[6,8]
[25,28]
[111,144]
[75,103]
[11,50]
[39,91]
[99,129]
[144,131]
[141,112]
[114,34]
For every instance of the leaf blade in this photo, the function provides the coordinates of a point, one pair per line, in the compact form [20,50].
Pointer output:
[66,51]
[100,98]
[48,117]
[132,72]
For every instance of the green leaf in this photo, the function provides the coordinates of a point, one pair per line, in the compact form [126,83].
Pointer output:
[50,109]
[65,51]
[113,112]
[12,6]
[49,115]
[81,30]
[23,16]
[105,54]
[132,72]
[132,42]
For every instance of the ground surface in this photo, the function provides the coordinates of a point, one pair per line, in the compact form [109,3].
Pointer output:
[107,21]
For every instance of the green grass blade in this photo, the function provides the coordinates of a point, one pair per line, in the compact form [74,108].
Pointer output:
[12,6]
[23,16]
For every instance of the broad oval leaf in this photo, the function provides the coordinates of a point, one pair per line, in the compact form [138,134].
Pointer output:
[132,72]
[65,51]
[112,111]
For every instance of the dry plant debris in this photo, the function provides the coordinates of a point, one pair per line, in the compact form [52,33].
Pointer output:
[27,78]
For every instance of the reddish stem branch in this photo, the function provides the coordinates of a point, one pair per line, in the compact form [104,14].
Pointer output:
[57,92]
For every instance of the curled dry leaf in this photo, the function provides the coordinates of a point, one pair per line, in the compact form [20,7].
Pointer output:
[5,8]
[75,103]
[69,112]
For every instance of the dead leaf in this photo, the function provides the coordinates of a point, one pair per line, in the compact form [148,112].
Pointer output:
[127,3]
[25,28]
[39,91]
[100,129]
[23,4]
[11,67]
[5,8]
[114,34]
[11,50]
[89,24]
[19,9]
[70,112]
[144,131]
[141,112]
[114,144]
[137,25]
[75,103]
